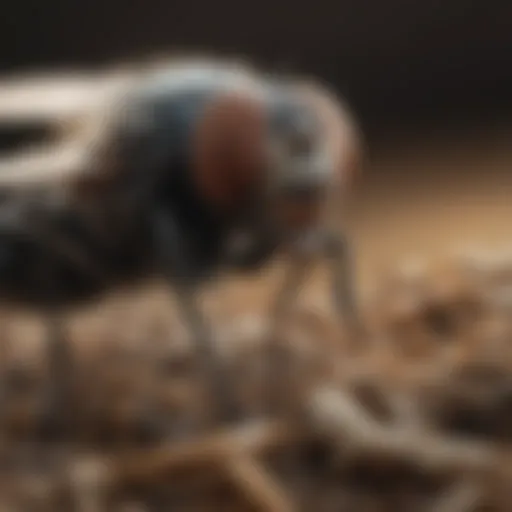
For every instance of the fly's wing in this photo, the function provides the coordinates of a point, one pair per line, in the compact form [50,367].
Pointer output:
[48,98]
[38,167]
[67,106]
[41,224]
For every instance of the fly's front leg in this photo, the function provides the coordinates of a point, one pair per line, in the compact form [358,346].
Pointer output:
[179,273]
[337,250]
[302,253]
[297,271]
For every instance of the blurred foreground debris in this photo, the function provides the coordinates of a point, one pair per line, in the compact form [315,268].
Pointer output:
[421,420]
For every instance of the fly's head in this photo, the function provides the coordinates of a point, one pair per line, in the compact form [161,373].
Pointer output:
[300,172]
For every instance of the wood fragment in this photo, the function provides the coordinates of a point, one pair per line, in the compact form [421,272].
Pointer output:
[336,414]
[212,450]
[464,496]
[259,488]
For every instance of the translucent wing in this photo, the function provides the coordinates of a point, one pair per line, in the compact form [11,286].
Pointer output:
[69,108]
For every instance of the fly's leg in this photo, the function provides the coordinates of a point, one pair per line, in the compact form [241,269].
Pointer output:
[177,271]
[335,248]
[296,274]
[338,254]
[59,401]
[57,413]
[211,362]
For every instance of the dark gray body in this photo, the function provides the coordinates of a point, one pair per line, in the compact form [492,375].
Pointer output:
[52,252]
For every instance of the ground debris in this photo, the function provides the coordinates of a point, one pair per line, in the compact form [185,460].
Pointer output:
[420,420]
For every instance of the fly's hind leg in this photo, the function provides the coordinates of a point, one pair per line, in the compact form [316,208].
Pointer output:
[58,403]
[27,273]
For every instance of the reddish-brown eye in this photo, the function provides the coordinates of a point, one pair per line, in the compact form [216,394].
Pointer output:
[228,150]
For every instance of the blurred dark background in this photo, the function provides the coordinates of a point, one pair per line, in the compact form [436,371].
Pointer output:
[396,60]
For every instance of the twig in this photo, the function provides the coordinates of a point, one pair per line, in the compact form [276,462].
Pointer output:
[464,496]
[215,449]
[340,417]
[260,489]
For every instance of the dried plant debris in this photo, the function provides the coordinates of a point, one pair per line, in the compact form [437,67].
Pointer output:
[420,420]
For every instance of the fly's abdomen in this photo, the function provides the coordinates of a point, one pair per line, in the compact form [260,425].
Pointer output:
[49,256]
